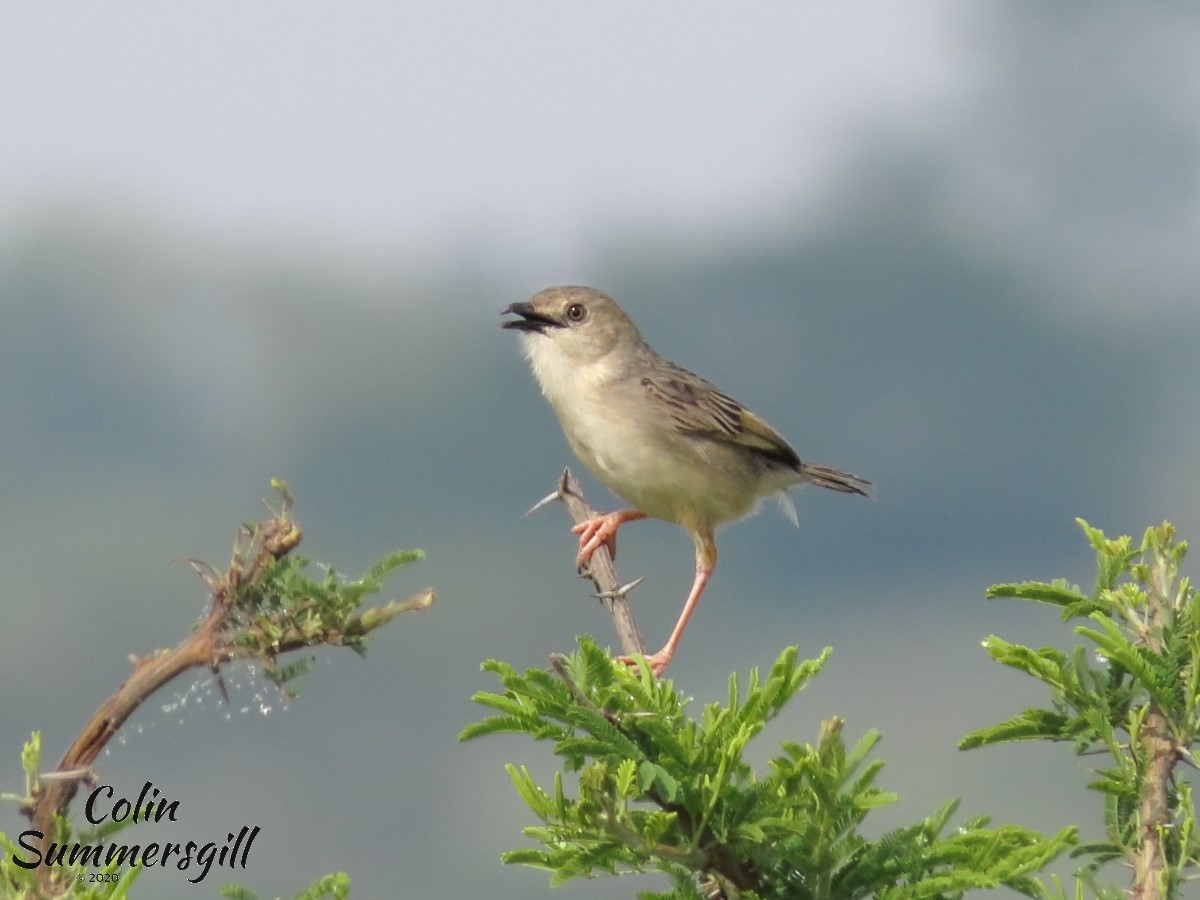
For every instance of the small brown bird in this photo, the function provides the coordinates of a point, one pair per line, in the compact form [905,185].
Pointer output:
[664,439]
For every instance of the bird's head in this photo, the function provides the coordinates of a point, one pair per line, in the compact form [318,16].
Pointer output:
[580,326]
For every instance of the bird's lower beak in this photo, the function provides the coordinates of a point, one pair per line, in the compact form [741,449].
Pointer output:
[531,319]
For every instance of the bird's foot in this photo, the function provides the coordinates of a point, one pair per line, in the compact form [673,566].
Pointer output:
[601,531]
[657,661]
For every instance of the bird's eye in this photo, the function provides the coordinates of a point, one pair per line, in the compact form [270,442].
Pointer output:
[576,312]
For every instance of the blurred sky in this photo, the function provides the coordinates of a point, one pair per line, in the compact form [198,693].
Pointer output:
[408,128]
[950,248]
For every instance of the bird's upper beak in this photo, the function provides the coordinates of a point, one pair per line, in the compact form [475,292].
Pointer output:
[531,319]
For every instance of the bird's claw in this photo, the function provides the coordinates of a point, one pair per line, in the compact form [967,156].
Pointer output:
[594,533]
[657,662]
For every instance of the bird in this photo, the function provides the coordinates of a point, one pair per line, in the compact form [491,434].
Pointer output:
[663,439]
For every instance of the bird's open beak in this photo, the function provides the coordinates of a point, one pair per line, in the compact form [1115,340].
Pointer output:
[531,319]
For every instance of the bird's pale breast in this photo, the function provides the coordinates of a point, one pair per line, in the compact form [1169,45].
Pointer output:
[642,457]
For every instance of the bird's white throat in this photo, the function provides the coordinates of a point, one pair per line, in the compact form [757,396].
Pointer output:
[564,379]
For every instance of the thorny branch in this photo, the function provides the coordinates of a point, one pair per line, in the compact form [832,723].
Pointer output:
[600,570]
[719,878]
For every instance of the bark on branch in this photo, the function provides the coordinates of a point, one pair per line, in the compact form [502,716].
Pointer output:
[600,570]
[1162,753]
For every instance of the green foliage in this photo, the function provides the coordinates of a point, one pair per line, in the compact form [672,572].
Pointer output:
[281,608]
[660,790]
[335,886]
[19,883]
[1131,693]
[285,608]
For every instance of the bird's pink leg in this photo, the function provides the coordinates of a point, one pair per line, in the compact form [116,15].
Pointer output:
[706,561]
[602,530]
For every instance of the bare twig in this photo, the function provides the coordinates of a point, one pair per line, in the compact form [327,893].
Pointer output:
[600,570]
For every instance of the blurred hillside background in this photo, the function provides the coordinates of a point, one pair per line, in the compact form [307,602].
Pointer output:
[953,248]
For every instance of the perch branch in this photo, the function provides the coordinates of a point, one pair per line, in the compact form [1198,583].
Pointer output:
[600,570]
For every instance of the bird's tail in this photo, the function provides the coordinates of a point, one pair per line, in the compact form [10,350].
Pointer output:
[835,479]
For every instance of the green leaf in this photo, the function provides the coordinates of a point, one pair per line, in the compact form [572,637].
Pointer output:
[31,757]
[1045,664]
[237,892]
[379,570]
[627,770]
[647,772]
[1028,725]
[335,886]
[1057,593]
[538,859]
[494,725]
[876,799]
[535,798]
[1149,669]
